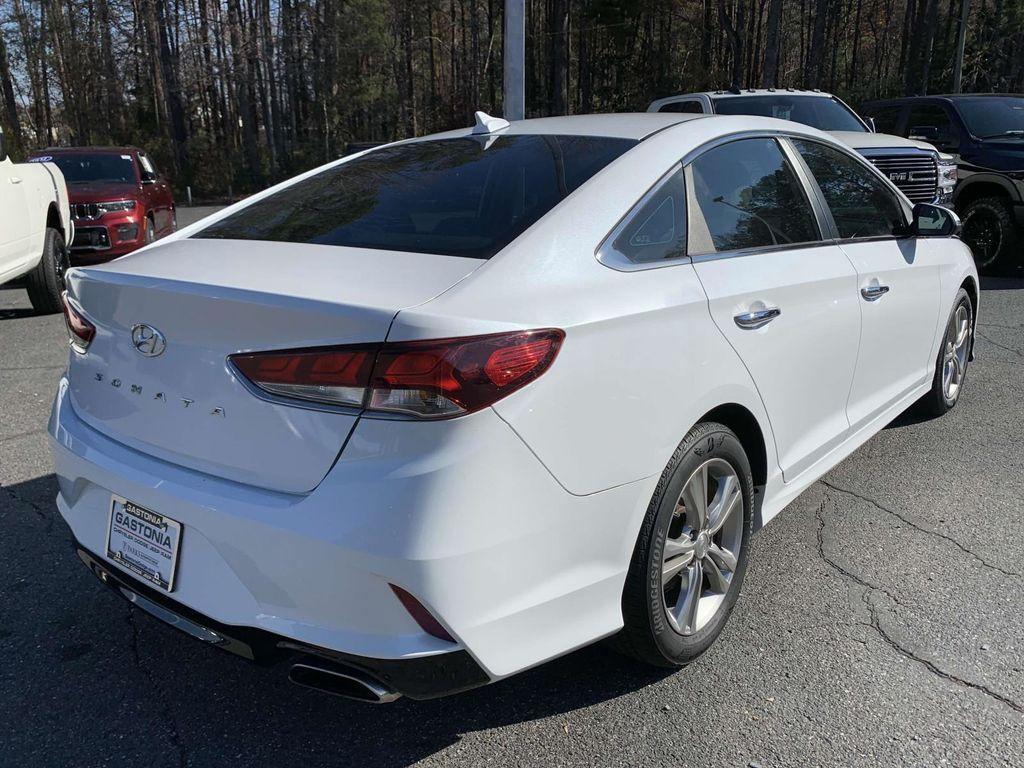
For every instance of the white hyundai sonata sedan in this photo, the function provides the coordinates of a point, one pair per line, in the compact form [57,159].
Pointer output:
[433,414]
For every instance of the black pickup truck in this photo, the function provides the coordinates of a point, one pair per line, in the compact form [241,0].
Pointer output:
[986,134]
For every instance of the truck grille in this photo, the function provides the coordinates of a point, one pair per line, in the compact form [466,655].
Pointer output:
[917,175]
[85,210]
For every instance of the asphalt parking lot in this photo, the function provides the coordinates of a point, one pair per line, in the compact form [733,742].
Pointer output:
[881,624]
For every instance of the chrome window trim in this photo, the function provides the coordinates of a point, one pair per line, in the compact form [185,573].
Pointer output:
[826,223]
[612,258]
[700,258]
[824,235]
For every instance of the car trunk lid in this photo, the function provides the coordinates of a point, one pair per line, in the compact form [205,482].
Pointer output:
[209,299]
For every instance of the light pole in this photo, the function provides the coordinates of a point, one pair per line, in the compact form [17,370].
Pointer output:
[515,60]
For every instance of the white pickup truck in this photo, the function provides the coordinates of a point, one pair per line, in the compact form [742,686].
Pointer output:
[921,172]
[35,225]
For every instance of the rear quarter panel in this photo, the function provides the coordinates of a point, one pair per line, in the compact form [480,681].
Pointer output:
[642,360]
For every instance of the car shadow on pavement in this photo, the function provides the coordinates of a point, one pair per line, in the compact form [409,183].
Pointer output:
[112,673]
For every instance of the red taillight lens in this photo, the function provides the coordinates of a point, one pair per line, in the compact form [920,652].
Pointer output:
[336,376]
[454,376]
[426,379]
[423,617]
[80,330]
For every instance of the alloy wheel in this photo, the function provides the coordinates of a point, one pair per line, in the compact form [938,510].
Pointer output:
[702,547]
[981,231]
[956,348]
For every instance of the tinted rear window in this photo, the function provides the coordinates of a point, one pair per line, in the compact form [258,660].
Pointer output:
[462,197]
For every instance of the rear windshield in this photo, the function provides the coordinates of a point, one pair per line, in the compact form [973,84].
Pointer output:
[462,197]
[821,112]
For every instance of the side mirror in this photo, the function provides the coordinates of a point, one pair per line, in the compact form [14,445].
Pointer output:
[871,124]
[934,221]
[148,177]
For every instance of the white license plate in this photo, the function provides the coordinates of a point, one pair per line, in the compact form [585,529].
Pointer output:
[144,542]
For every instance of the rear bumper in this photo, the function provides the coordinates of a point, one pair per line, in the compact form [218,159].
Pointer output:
[459,513]
[418,678]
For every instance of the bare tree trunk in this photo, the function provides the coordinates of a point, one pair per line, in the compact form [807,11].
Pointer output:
[734,30]
[559,93]
[816,52]
[10,106]
[770,78]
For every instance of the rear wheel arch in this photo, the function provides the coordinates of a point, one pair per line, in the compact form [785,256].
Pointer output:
[751,436]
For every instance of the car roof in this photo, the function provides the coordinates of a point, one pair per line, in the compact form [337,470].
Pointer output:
[91,150]
[621,125]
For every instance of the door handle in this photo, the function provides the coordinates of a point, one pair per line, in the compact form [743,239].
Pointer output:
[15,179]
[874,292]
[750,321]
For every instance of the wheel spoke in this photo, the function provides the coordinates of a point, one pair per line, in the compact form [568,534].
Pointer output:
[689,600]
[695,497]
[723,557]
[678,555]
[963,327]
[673,568]
[718,579]
[727,501]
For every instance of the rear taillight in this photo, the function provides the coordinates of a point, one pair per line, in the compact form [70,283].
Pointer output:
[424,379]
[80,330]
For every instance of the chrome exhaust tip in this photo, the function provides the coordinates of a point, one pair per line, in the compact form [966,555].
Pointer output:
[340,680]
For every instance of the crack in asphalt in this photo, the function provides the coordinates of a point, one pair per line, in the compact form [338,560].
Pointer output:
[846,572]
[875,624]
[42,512]
[999,325]
[997,344]
[32,368]
[174,736]
[20,435]
[927,531]
[931,666]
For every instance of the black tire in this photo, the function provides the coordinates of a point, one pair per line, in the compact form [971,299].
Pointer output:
[150,231]
[991,233]
[938,401]
[45,283]
[649,634]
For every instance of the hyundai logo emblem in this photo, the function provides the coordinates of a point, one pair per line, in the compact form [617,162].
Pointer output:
[147,340]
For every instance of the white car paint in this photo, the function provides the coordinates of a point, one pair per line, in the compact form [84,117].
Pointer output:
[513,525]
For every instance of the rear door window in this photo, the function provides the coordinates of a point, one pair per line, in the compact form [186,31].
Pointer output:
[748,196]
[469,196]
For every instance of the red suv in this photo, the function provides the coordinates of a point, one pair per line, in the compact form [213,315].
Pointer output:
[118,199]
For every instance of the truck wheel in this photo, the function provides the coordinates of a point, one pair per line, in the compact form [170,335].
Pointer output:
[990,232]
[45,283]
